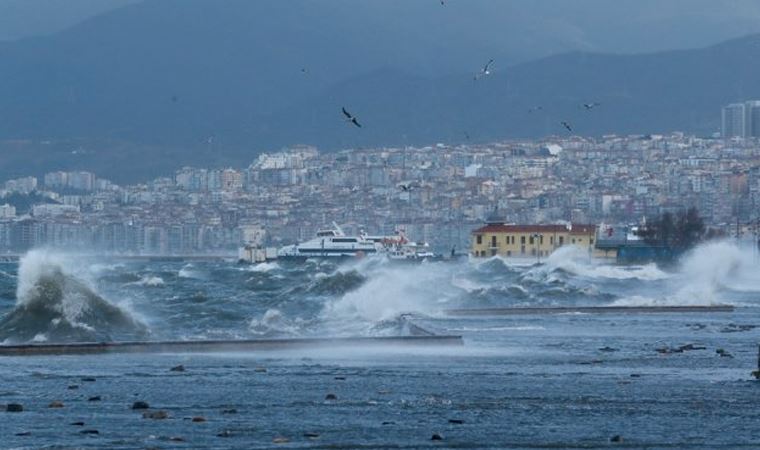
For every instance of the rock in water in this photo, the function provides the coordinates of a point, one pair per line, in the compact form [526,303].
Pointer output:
[14,407]
[199,419]
[616,438]
[331,397]
[436,437]
[179,368]
[94,399]
[140,405]
[55,404]
[156,415]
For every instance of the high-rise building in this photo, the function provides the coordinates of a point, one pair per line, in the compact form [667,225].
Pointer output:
[734,120]
[741,119]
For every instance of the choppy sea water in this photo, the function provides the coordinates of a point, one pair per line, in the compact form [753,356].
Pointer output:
[556,381]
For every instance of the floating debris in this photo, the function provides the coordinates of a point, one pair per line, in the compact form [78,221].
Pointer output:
[140,405]
[329,397]
[94,399]
[198,419]
[456,421]
[436,437]
[179,368]
[55,404]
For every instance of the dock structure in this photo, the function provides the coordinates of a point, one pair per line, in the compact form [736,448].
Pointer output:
[588,310]
[217,346]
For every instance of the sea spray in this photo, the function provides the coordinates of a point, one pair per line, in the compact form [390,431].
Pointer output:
[54,304]
[389,291]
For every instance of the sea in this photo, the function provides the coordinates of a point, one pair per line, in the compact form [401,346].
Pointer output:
[568,380]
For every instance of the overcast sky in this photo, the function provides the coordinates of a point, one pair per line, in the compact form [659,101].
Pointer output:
[597,25]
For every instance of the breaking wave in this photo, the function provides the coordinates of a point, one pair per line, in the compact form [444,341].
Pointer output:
[53,304]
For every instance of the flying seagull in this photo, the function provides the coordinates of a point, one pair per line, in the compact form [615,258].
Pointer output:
[486,70]
[350,118]
[567,126]
[590,106]
[406,187]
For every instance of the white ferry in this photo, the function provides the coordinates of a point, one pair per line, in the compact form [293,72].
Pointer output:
[332,244]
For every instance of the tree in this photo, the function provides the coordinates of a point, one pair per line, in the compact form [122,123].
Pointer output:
[675,233]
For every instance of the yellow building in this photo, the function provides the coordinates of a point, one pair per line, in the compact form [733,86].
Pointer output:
[529,240]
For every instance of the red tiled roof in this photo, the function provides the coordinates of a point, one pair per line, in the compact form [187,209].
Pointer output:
[494,228]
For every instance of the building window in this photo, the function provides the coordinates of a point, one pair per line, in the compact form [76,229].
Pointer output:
[513,240]
[541,239]
[509,252]
[573,240]
[479,239]
[493,241]
[561,240]
[531,240]
[533,251]
[551,240]
[522,240]
[591,241]
[493,252]
[522,250]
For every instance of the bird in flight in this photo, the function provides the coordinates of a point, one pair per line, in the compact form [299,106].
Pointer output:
[485,71]
[351,118]
[590,106]
[536,108]
[406,187]
[567,126]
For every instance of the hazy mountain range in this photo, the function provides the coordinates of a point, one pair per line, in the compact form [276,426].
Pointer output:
[143,89]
